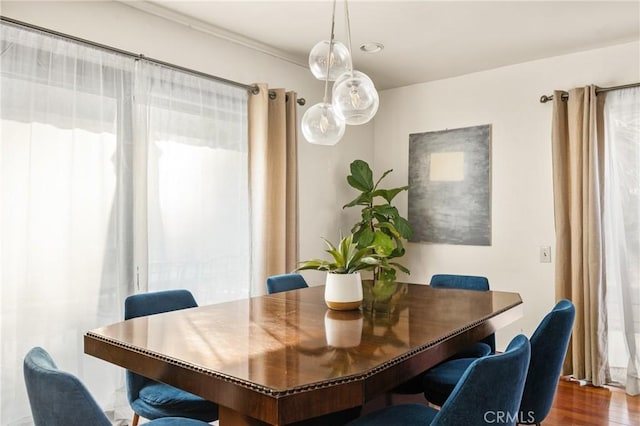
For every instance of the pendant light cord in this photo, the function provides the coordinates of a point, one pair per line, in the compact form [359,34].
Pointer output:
[326,80]
[346,15]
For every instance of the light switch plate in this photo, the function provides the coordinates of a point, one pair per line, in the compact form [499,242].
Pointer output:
[545,254]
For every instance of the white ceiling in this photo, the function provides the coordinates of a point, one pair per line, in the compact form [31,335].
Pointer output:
[424,40]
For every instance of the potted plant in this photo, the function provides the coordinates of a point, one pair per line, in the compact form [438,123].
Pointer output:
[381,226]
[343,290]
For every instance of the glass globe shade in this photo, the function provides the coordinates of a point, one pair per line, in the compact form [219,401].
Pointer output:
[340,60]
[321,125]
[355,98]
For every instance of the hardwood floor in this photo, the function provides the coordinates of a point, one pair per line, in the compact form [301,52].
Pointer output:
[574,405]
[584,405]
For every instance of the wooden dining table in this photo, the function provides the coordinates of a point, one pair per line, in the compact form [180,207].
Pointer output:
[285,358]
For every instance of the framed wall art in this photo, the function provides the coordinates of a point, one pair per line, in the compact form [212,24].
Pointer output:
[450,186]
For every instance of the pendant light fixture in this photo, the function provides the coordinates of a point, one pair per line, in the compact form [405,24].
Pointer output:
[338,60]
[320,123]
[354,96]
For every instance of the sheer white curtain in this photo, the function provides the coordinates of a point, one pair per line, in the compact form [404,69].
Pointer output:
[197,191]
[65,266]
[117,176]
[622,234]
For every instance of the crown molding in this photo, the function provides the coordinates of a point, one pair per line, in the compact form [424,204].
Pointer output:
[212,30]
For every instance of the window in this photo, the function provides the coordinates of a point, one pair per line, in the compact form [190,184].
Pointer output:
[197,176]
[622,234]
[112,170]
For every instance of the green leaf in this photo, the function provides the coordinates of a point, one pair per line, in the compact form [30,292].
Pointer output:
[404,227]
[360,267]
[399,250]
[382,244]
[389,227]
[399,266]
[386,210]
[316,264]
[370,260]
[365,238]
[355,256]
[337,257]
[328,243]
[382,177]
[361,177]
[345,249]
[363,199]
[380,217]
[335,253]
[390,194]
[367,215]
[356,231]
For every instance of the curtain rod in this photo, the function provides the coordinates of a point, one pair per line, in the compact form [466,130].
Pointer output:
[565,96]
[251,88]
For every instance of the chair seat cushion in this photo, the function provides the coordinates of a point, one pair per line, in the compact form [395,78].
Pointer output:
[438,382]
[165,395]
[415,385]
[157,400]
[398,415]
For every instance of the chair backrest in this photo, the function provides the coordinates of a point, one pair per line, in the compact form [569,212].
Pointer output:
[490,389]
[285,282]
[548,348]
[144,304]
[465,282]
[58,398]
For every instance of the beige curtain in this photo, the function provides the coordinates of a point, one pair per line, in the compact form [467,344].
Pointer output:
[273,174]
[577,174]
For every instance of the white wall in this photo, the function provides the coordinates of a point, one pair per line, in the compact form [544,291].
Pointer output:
[522,197]
[507,98]
[322,172]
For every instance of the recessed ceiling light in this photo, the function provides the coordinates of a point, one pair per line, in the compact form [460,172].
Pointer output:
[371,47]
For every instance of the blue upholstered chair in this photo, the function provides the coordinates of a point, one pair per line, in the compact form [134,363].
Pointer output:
[549,345]
[285,282]
[488,392]
[58,398]
[548,349]
[151,399]
[487,345]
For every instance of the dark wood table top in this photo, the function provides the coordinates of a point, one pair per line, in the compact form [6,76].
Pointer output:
[286,357]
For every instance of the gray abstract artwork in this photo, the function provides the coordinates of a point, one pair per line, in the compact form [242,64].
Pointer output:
[450,186]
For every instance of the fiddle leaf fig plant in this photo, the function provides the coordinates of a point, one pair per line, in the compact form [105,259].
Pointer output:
[381,227]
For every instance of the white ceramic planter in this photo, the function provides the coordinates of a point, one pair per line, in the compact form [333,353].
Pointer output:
[343,292]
